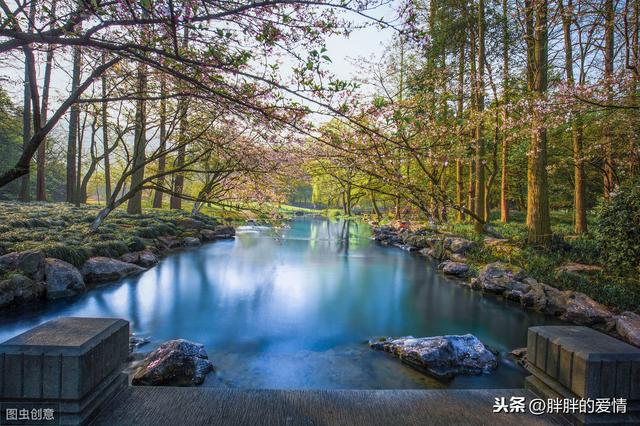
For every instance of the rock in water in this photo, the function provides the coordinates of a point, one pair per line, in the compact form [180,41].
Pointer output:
[443,357]
[63,279]
[18,289]
[456,269]
[103,269]
[191,242]
[174,363]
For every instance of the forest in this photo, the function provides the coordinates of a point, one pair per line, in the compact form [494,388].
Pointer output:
[474,112]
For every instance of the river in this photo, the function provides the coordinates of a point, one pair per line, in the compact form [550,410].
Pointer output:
[293,308]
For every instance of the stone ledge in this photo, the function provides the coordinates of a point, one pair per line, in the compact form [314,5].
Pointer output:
[76,362]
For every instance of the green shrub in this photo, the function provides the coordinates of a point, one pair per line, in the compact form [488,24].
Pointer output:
[76,255]
[617,228]
[109,248]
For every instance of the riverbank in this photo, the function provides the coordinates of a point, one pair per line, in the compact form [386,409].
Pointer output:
[48,252]
[487,265]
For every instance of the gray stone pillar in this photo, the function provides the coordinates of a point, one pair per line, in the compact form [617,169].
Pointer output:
[580,363]
[72,365]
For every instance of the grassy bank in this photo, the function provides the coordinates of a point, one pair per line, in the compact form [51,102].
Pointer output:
[62,231]
[611,286]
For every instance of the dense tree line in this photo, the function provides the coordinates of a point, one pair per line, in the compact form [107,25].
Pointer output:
[528,105]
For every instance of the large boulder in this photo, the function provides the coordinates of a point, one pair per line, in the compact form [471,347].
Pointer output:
[577,270]
[217,233]
[628,327]
[441,356]
[498,277]
[62,279]
[18,289]
[168,243]
[456,269]
[583,310]
[459,245]
[189,223]
[191,242]
[175,363]
[144,258]
[104,269]
[29,263]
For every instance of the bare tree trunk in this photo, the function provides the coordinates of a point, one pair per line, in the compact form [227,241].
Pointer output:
[610,180]
[41,192]
[178,184]
[504,178]
[74,118]
[134,206]
[157,196]
[26,131]
[460,113]
[538,221]
[105,134]
[26,116]
[579,203]
[479,154]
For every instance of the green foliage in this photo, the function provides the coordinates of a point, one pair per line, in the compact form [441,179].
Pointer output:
[76,255]
[617,229]
[109,248]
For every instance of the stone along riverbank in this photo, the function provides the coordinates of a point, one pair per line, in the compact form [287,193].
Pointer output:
[36,275]
[511,282]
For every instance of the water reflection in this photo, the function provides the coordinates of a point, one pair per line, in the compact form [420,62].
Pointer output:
[292,308]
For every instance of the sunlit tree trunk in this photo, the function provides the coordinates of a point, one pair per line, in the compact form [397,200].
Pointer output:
[538,221]
[460,115]
[504,185]
[579,202]
[479,137]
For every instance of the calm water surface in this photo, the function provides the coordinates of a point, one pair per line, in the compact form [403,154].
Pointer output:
[294,308]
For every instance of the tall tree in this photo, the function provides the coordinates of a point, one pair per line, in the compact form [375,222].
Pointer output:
[579,197]
[538,220]
[105,132]
[74,121]
[479,137]
[158,193]
[27,104]
[609,173]
[134,205]
[175,201]
[504,185]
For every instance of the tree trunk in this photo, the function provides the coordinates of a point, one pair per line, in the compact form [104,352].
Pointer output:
[183,108]
[479,142]
[538,221]
[157,196]
[26,131]
[579,203]
[26,115]
[41,192]
[134,206]
[105,134]
[460,113]
[609,177]
[504,185]
[74,118]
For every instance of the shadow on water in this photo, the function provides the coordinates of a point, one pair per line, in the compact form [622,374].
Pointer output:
[293,308]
